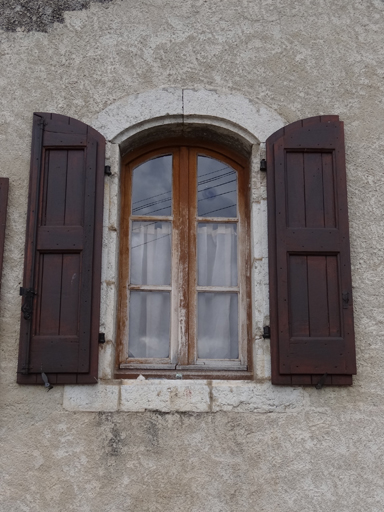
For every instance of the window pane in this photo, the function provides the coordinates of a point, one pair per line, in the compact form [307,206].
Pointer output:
[217,188]
[149,320]
[217,326]
[151,253]
[152,187]
[217,254]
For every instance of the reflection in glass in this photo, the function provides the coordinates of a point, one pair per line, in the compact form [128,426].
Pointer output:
[217,326]
[151,253]
[152,187]
[217,254]
[217,188]
[149,320]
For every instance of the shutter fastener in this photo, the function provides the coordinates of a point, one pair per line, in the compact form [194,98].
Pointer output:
[266,332]
[27,307]
[321,382]
[263,165]
[46,383]
[101,337]
[107,170]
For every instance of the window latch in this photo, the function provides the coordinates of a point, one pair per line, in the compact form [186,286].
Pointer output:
[27,307]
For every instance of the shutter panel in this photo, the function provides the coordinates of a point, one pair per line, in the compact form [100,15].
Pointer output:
[62,267]
[309,257]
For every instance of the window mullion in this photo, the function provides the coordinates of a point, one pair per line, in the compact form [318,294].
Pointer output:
[183,256]
[192,270]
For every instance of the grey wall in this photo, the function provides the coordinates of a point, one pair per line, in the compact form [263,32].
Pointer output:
[298,58]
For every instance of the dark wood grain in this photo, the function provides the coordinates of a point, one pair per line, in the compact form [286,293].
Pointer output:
[63,251]
[4,187]
[309,260]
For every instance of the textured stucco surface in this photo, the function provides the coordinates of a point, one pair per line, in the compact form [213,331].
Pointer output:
[299,59]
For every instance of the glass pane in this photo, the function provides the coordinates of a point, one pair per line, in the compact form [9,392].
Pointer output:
[152,187]
[217,188]
[149,320]
[217,326]
[151,253]
[217,254]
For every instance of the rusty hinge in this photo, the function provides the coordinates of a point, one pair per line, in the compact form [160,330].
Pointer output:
[27,307]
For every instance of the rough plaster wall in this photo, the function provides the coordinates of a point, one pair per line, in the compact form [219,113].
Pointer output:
[301,59]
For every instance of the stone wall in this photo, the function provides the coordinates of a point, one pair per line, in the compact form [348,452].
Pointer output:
[253,446]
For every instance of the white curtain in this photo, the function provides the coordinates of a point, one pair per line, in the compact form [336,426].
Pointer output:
[217,312]
[149,319]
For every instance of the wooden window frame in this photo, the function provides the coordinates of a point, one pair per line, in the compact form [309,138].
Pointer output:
[183,362]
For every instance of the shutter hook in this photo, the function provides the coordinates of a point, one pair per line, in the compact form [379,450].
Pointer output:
[321,382]
[46,382]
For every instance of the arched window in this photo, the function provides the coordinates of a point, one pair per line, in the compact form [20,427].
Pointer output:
[184,286]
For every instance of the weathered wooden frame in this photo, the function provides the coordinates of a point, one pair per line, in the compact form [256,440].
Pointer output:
[183,358]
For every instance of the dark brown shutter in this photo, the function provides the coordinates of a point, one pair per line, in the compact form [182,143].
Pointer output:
[309,257]
[62,267]
[4,185]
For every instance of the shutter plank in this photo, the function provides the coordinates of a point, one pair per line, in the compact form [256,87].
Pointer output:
[309,260]
[64,265]
[4,187]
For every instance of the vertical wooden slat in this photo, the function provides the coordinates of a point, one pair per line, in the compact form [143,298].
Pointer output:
[329,191]
[4,187]
[75,189]
[295,190]
[314,195]
[318,296]
[50,294]
[69,307]
[299,307]
[56,178]
[277,377]
[333,296]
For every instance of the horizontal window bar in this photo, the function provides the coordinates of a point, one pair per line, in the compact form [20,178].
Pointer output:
[150,288]
[218,289]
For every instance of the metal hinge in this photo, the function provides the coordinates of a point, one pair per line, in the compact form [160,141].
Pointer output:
[107,170]
[27,307]
[263,165]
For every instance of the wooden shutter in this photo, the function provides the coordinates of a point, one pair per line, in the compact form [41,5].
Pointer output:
[62,267]
[4,186]
[309,257]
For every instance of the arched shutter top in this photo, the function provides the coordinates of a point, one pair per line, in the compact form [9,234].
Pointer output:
[309,257]
[61,290]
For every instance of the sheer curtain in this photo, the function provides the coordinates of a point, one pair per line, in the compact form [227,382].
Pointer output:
[149,318]
[217,311]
